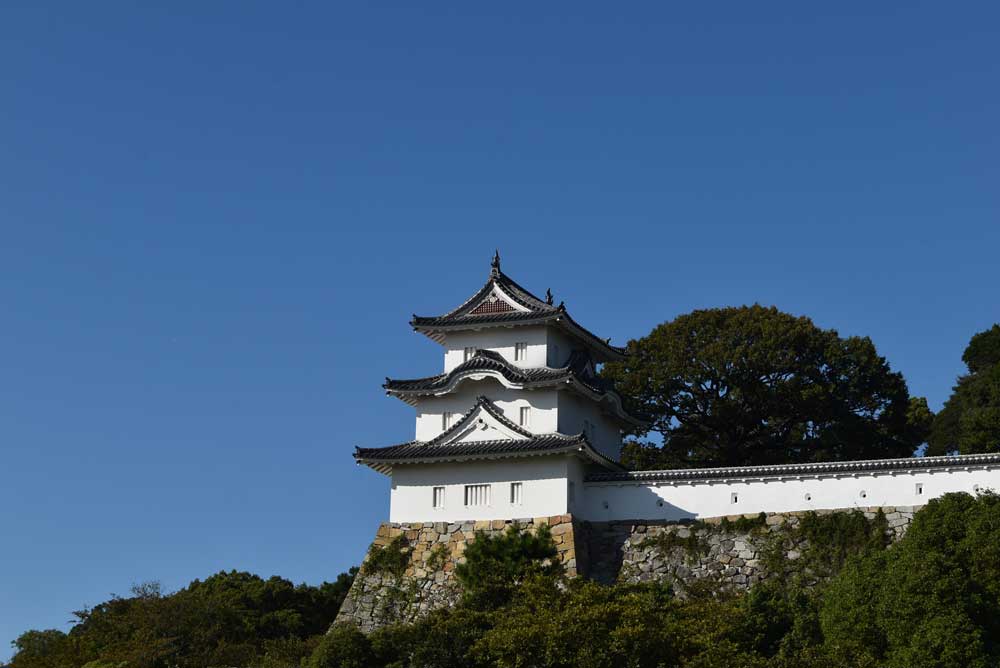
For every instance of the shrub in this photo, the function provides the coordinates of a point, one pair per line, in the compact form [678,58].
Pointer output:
[343,647]
[495,565]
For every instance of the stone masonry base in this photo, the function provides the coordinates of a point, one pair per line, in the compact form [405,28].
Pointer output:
[608,552]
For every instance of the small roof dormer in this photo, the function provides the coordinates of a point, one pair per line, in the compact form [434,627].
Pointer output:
[501,302]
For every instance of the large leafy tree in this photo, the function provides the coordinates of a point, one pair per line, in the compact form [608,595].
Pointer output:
[753,385]
[970,420]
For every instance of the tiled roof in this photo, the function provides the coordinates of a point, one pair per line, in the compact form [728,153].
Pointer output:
[487,360]
[441,449]
[811,469]
[416,450]
[475,312]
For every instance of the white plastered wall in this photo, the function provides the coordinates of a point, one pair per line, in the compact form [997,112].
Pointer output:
[543,492]
[681,500]
[573,410]
[499,340]
[543,404]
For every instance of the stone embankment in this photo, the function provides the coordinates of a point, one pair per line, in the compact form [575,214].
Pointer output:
[736,551]
[431,550]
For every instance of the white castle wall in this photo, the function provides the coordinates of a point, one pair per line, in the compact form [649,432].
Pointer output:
[499,341]
[543,403]
[606,501]
[544,489]
[606,437]
[554,485]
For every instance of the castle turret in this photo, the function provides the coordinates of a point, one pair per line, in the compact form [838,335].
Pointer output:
[516,419]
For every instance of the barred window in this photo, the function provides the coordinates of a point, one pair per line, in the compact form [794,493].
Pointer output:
[516,493]
[525,416]
[477,495]
[438,497]
[520,351]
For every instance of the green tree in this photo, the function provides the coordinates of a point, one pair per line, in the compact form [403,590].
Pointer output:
[228,619]
[496,565]
[931,600]
[343,647]
[970,420]
[584,626]
[753,385]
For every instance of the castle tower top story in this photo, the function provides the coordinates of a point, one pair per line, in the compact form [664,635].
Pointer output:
[515,421]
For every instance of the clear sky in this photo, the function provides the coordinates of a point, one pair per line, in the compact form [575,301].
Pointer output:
[217,218]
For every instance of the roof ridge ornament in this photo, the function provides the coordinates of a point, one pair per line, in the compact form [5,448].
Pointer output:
[548,296]
[495,263]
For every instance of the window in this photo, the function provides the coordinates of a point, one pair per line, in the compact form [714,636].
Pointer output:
[515,493]
[920,488]
[525,416]
[438,497]
[468,353]
[477,495]
[520,351]
[445,420]
[734,497]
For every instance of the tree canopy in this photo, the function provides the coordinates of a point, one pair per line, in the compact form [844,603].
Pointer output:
[228,619]
[970,420]
[754,385]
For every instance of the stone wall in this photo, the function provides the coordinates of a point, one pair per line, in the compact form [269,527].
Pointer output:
[432,550]
[714,548]
[724,550]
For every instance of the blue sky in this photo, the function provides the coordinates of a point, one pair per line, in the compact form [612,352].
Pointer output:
[217,218]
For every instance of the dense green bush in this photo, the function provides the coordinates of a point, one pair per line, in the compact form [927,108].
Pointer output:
[228,619]
[495,565]
[932,600]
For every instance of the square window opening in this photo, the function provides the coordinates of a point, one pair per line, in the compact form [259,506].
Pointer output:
[516,493]
[524,417]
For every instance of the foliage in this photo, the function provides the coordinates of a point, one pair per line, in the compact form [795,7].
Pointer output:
[495,565]
[229,618]
[753,385]
[391,558]
[585,626]
[826,541]
[439,555]
[692,544]
[744,524]
[343,647]
[970,420]
[931,600]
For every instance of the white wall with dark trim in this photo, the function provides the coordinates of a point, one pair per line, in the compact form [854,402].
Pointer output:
[684,499]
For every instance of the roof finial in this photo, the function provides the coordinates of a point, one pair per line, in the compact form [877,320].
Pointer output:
[495,264]
[548,296]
